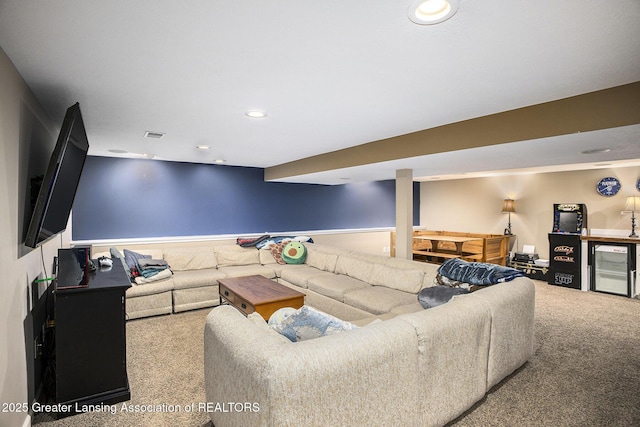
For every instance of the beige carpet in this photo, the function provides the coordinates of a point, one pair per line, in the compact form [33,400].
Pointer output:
[585,371]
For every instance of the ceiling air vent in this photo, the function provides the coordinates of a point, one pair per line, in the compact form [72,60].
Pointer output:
[149,134]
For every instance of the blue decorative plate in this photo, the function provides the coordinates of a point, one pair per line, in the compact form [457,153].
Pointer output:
[638,184]
[608,186]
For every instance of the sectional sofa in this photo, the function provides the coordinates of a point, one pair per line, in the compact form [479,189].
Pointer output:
[403,365]
[376,285]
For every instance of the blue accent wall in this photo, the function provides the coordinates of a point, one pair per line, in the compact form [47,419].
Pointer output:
[130,198]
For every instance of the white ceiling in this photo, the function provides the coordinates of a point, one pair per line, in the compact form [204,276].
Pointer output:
[330,75]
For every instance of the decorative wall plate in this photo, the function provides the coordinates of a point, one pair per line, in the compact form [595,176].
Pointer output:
[638,184]
[608,186]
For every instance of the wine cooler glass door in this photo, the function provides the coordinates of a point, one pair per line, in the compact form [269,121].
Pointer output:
[611,264]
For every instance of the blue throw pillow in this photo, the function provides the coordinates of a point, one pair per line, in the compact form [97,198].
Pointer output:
[438,295]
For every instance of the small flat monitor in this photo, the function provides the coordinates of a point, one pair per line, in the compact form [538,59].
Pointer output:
[569,218]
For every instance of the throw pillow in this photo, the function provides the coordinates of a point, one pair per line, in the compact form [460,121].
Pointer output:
[307,323]
[115,253]
[278,317]
[438,295]
[294,253]
[119,258]
[276,251]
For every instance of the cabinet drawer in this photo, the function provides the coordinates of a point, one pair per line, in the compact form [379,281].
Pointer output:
[227,294]
[244,305]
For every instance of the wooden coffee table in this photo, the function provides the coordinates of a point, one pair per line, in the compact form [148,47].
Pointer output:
[259,294]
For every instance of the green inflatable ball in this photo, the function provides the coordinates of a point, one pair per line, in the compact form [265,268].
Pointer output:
[294,253]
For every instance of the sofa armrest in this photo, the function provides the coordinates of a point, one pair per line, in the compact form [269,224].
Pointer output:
[339,379]
[512,306]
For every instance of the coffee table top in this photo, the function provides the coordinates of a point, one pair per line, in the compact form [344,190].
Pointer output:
[259,289]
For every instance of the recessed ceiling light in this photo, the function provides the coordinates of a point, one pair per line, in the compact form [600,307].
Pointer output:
[118,151]
[149,134]
[255,114]
[596,151]
[219,161]
[203,147]
[429,12]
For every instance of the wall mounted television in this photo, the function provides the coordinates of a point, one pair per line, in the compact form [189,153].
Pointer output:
[60,182]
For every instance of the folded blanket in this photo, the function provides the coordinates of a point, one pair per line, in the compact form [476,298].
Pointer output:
[152,263]
[279,239]
[150,272]
[477,273]
[140,280]
[251,241]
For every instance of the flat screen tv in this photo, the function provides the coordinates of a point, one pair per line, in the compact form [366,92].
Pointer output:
[60,182]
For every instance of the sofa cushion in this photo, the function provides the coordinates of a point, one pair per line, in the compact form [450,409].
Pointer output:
[197,278]
[321,260]
[438,295]
[397,278]
[307,323]
[409,308]
[374,319]
[228,255]
[181,259]
[301,275]
[160,286]
[248,270]
[265,257]
[378,299]
[335,285]
[354,267]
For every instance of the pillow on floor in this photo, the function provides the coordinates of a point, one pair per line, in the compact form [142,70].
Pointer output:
[438,295]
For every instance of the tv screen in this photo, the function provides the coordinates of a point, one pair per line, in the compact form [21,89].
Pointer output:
[568,222]
[58,189]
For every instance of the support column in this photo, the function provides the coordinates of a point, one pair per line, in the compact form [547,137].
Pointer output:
[404,213]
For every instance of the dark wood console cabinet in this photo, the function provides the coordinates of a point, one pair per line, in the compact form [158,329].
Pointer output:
[90,337]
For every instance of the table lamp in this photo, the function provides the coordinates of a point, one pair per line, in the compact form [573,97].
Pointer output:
[508,207]
[632,205]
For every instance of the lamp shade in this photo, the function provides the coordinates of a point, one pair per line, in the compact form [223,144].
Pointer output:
[508,205]
[632,204]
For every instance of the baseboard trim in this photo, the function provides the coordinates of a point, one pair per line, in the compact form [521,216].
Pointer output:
[183,239]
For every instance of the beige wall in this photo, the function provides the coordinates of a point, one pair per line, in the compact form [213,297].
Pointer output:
[19,266]
[475,205]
